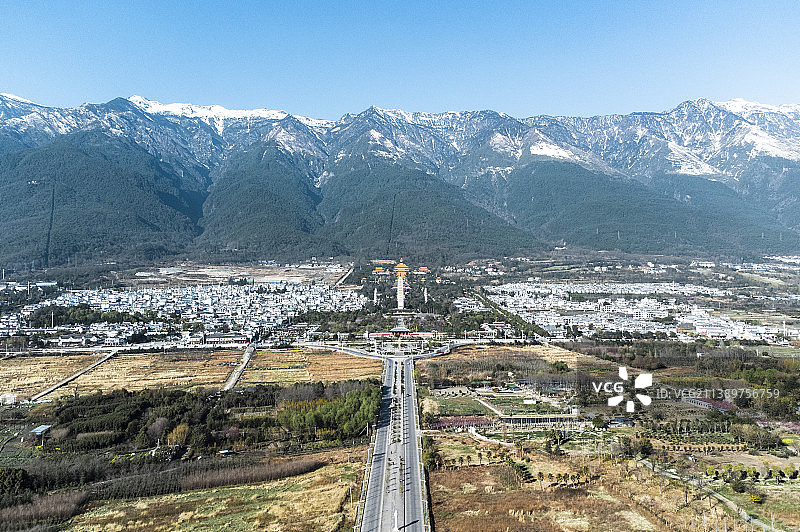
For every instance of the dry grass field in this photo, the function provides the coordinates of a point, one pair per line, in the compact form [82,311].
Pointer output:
[481,497]
[26,376]
[287,366]
[319,500]
[332,366]
[667,500]
[475,498]
[283,366]
[548,353]
[153,370]
[760,461]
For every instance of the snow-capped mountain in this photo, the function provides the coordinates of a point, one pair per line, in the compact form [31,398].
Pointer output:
[716,140]
[700,137]
[694,154]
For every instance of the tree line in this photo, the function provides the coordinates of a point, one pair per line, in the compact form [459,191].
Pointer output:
[83,314]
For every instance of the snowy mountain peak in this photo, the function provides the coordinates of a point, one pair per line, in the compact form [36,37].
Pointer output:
[314,122]
[746,109]
[211,114]
[390,114]
[703,105]
[8,96]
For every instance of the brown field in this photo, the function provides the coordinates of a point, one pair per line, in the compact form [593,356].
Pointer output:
[475,498]
[26,376]
[153,370]
[547,353]
[666,499]
[760,461]
[287,366]
[319,500]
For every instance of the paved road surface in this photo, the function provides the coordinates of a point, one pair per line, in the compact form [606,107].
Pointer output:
[335,347]
[237,373]
[71,378]
[395,490]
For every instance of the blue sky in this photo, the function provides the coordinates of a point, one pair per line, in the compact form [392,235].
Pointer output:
[324,59]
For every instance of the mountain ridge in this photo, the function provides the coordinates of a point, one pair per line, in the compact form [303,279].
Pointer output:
[706,165]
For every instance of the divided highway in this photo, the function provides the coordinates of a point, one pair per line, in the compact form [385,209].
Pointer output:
[395,491]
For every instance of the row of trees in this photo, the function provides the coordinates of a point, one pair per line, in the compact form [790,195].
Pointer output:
[687,426]
[42,510]
[83,314]
[431,458]
[755,436]
[740,472]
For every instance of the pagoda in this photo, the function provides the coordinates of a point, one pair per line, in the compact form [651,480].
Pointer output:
[401,282]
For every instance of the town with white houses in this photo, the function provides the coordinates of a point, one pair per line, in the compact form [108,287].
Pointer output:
[642,308]
[239,311]
[236,313]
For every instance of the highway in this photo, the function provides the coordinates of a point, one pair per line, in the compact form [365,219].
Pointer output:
[394,499]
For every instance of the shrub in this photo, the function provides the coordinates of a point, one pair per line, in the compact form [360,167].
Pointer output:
[738,486]
[43,508]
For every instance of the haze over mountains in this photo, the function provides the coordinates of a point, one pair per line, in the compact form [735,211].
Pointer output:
[137,179]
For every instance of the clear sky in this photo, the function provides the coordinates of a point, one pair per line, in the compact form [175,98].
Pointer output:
[327,58]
